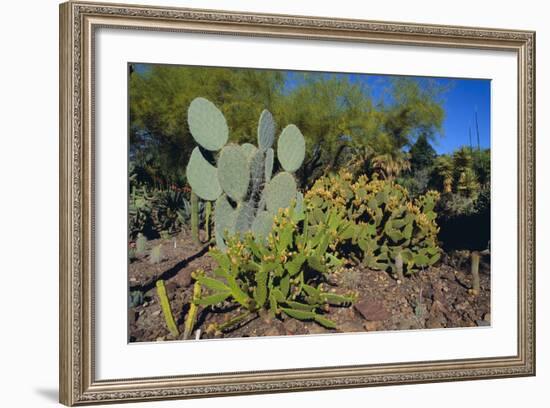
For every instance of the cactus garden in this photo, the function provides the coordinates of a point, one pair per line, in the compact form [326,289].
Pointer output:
[271,203]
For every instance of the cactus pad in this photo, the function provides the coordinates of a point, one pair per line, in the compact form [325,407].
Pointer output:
[203,177]
[291,148]
[245,217]
[207,124]
[280,192]
[266,130]
[225,216]
[269,159]
[249,150]
[262,225]
[233,172]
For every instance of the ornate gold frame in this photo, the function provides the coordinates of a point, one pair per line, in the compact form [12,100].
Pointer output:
[78,21]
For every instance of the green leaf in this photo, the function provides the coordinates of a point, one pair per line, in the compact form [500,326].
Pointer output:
[335,299]
[213,284]
[435,258]
[278,295]
[272,304]
[421,260]
[323,321]
[299,314]
[299,306]
[213,299]
[260,295]
[315,262]
[294,266]
[237,292]
[311,291]
[284,284]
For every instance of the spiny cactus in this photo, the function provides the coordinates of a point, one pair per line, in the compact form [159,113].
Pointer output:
[391,231]
[207,124]
[280,275]
[141,244]
[155,257]
[242,187]
[166,309]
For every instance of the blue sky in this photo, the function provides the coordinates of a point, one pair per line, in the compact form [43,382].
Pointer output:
[461,99]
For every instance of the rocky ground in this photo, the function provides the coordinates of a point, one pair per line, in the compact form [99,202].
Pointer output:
[437,297]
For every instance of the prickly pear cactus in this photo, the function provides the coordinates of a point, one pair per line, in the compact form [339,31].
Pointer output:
[391,231]
[247,196]
[207,124]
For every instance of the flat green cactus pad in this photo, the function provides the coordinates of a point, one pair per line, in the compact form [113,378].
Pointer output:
[207,124]
[233,172]
[244,218]
[262,225]
[203,177]
[280,192]
[291,148]
[225,216]
[269,159]
[249,150]
[266,130]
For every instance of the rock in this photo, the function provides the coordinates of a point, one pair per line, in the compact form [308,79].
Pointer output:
[482,323]
[184,278]
[314,328]
[436,317]
[350,326]
[487,317]
[132,316]
[433,324]
[406,324]
[293,326]
[171,289]
[373,326]
[372,310]
[156,313]
[272,331]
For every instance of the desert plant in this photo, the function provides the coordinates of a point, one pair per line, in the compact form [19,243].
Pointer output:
[246,195]
[139,212]
[154,211]
[135,298]
[207,218]
[166,309]
[156,255]
[280,274]
[194,216]
[141,244]
[191,318]
[167,205]
[389,230]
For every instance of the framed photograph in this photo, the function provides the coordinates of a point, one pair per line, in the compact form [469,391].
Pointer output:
[256,203]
